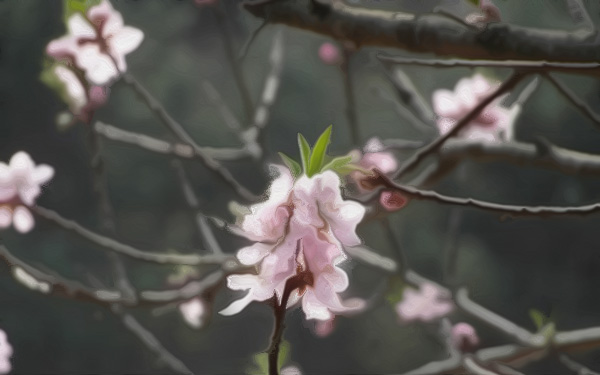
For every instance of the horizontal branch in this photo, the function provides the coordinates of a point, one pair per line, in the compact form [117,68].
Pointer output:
[117,247]
[428,33]
[534,66]
[160,146]
[543,154]
[513,210]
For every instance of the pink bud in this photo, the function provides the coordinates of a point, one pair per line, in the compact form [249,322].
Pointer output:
[330,54]
[464,337]
[324,328]
[392,200]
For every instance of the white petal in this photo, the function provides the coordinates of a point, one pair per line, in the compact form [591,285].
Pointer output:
[124,42]
[21,164]
[79,27]
[42,174]
[253,254]
[23,219]
[74,88]
[237,306]
[193,312]
[99,67]
[313,308]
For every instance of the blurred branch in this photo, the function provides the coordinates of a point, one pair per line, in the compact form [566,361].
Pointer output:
[184,137]
[428,33]
[206,234]
[581,17]
[238,73]
[522,65]
[575,366]
[371,258]
[349,93]
[403,113]
[434,146]
[411,97]
[151,342]
[513,210]
[163,147]
[572,97]
[543,154]
[117,247]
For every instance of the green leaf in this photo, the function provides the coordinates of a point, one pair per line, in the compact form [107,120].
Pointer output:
[77,6]
[292,164]
[538,318]
[337,163]
[318,152]
[304,152]
[474,2]
[395,290]
[261,360]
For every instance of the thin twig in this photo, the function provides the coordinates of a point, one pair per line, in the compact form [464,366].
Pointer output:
[183,136]
[117,247]
[575,366]
[349,93]
[432,147]
[148,338]
[523,65]
[513,210]
[403,113]
[572,97]
[236,68]
[206,234]
[244,50]
[410,96]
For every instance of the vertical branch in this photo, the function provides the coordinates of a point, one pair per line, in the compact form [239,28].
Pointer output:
[106,212]
[238,73]
[451,248]
[349,93]
[279,312]
[204,230]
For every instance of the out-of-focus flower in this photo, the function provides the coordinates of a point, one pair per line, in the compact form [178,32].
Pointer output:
[193,312]
[290,370]
[330,54]
[6,351]
[324,328]
[20,185]
[426,304]
[464,337]
[301,228]
[493,124]
[97,43]
[488,13]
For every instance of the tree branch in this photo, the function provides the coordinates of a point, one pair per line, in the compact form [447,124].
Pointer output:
[428,33]
[117,247]
[178,130]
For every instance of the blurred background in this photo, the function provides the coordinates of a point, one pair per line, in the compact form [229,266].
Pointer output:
[509,266]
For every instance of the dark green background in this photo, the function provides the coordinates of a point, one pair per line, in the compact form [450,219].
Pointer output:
[510,265]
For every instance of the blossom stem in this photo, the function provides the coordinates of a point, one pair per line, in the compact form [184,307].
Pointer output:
[279,311]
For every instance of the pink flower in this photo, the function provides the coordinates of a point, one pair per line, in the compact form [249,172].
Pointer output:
[6,351]
[374,157]
[493,124]
[193,312]
[464,337]
[426,304]
[20,185]
[488,13]
[302,226]
[97,43]
[330,54]
[324,328]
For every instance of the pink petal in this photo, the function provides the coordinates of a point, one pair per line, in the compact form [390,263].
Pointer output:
[392,200]
[330,54]
[123,42]
[80,28]
[74,88]
[23,219]
[5,217]
[100,13]
[99,67]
